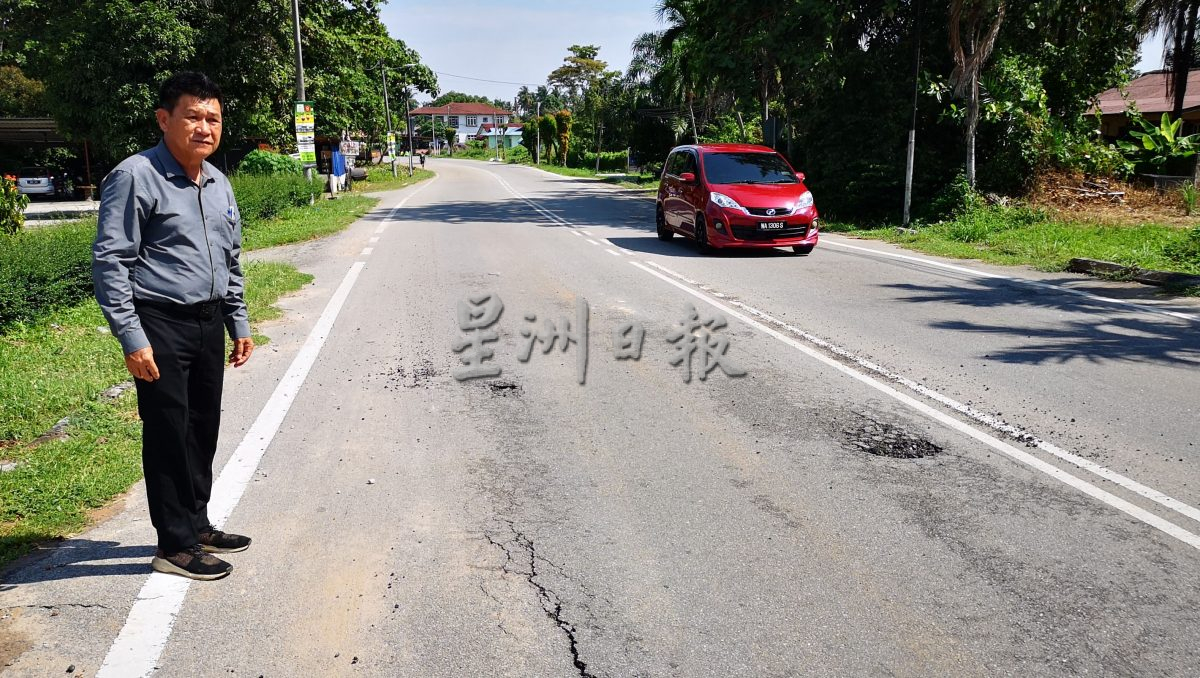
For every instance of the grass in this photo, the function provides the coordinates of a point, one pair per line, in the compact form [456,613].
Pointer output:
[1023,236]
[645,182]
[297,224]
[61,364]
[381,179]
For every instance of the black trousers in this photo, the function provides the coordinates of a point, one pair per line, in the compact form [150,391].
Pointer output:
[181,416]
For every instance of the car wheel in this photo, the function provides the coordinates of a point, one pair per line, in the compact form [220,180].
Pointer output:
[660,222]
[803,249]
[701,234]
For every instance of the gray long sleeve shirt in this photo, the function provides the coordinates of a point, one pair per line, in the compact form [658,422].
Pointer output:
[162,238]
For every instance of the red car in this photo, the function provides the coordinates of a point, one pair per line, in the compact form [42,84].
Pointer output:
[735,195]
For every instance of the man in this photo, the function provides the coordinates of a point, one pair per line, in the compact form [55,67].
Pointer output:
[168,278]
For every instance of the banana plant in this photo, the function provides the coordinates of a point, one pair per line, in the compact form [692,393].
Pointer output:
[1158,144]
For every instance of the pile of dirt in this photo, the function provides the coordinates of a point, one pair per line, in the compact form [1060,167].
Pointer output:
[1081,198]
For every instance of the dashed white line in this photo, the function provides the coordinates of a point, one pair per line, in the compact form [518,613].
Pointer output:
[613,252]
[374,240]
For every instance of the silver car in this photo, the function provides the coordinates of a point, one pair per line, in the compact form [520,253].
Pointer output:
[35,181]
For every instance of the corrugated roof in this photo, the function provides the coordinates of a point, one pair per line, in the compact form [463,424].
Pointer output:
[38,130]
[461,109]
[1150,93]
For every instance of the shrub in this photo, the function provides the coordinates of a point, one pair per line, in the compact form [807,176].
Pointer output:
[956,199]
[261,197]
[519,155]
[610,161]
[44,269]
[1186,251]
[12,207]
[266,162]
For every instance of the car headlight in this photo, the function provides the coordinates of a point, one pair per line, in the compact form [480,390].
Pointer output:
[722,200]
[805,201]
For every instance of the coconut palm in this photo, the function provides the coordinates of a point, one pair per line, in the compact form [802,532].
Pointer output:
[1177,18]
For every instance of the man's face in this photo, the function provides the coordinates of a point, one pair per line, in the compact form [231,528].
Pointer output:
[193,130]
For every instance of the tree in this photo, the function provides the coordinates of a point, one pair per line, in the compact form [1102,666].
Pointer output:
[982,27]
[21,97]
[548,127]
[453,97]
[562,122]
[1178,19]
[578,72]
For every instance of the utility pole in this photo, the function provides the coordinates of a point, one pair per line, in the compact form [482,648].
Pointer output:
[912,130]
[299,68]
[408,124]
[387,111]
[537,121]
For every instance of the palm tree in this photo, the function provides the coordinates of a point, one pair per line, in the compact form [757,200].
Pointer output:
[1177,18]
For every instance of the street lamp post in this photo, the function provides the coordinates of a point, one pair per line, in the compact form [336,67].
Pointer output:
[299,69]
[408,123]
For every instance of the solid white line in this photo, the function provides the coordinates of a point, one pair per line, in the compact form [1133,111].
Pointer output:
[988,420]
[1087,488]
[1023,281]
[367,251]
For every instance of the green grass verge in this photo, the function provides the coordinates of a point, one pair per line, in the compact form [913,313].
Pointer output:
[57,367]
[1021,236]
[297,224]
[645,182]
[381,179]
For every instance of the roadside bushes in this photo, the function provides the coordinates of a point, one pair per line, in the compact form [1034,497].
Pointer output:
[519,155]
[266,162]
[610,161]
[12,207]
[261,197]
[44,269]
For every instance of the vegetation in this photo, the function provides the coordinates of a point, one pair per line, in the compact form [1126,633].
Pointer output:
[266,162]
[379,178]
[262,197]
[12,207]
[44,269]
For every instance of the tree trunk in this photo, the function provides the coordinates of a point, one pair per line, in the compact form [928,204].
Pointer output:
[742,127]
[1188,48]
[599,145]
[695,130]
[972,125]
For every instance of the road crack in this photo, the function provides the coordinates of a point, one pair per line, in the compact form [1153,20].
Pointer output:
[521,559]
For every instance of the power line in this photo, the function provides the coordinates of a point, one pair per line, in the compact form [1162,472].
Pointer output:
[498,82]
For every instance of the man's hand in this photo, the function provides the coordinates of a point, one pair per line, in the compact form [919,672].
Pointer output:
[141,365]
[242,348]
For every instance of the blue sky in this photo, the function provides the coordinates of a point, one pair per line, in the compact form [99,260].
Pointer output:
[515,40]
[521,41]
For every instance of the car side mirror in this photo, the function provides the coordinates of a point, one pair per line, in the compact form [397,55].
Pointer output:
[800,176]
[688,177]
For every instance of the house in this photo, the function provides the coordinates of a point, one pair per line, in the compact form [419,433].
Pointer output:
[467,118]
[1149,93]
[509,135]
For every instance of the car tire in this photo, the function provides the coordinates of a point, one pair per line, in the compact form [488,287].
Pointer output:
[701,235]
[803,249]
[660,223]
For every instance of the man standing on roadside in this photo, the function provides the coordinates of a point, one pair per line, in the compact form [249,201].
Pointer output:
[168,277]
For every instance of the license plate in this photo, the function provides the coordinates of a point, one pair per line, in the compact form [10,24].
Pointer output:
[772,225]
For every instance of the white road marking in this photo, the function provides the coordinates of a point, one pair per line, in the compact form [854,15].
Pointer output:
[593,242]
[367,251]
[141,641]
[994,423]
[382,227]
[613,252]
[1023,457]
[1087,488]
[576,233]
[374,239]
[1023,281]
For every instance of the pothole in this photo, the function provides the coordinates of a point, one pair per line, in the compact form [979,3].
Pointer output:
[504,388]
[888,440]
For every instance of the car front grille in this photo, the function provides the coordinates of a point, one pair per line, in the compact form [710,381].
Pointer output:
[753,233]
[762,211]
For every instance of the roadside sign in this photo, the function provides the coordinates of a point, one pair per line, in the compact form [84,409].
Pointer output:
[306,125]
[391,144]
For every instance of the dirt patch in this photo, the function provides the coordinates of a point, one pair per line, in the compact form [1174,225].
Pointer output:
[421,376]
[1139,204]
[503,388]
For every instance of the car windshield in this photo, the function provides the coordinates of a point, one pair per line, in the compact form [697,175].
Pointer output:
[31,172]
[747,168]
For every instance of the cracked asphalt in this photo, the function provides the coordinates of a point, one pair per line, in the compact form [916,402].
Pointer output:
[794,521]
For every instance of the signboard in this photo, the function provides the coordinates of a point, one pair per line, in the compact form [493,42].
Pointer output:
[391,144]
[350,149]
[306,124]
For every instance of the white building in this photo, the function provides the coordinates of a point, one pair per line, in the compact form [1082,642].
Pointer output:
[467,119]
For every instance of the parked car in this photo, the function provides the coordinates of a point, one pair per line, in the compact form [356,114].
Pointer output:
[735,195]
[35,181]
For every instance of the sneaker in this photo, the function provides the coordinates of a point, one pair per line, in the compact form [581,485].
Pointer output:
[216,541]
[192,563]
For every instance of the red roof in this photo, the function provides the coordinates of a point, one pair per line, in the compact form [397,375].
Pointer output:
[461,109]
[1150,94]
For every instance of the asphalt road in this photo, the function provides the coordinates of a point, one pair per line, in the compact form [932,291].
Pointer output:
[928,468]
